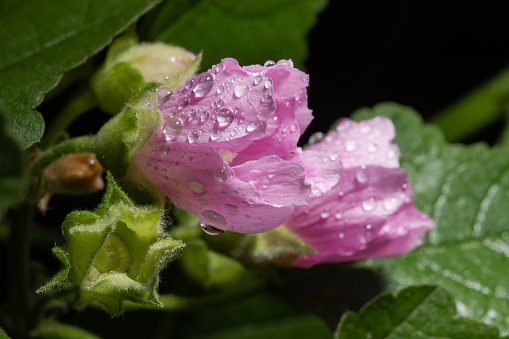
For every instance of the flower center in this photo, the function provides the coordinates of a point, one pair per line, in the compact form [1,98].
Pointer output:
[112,257]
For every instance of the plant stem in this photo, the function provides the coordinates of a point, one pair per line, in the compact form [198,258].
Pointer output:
[174,303]
[18,254]
[482,107]
[80,104]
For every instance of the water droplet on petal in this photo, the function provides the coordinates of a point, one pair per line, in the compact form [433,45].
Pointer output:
[284,63]
[193,136]
[172,128]
[325,213]
[224,117]
[339,214]
[268,83]
[366,233]
[183,102]
[240,90]
[191,114]
[210,230]
[204,85]
[220,174]
[257,80]
[218,68]
[372,148]
[334,157]
[195,188]
[269,63]
[362,175]
[231,209]
[265,183]
[365,129]
[272,173]
[369,205]
[390,204]
[254,176]
[204,117]
[220,89]
[341,235]
[215,135]
[172,182]
[315,138]
[189,83]
[351,146]
[212,217]
[163,95]
[251,126]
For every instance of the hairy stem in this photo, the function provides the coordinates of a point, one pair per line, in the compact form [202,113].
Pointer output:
[80,104]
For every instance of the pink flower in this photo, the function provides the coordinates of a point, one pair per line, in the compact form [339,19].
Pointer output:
[370,212]
[227,148]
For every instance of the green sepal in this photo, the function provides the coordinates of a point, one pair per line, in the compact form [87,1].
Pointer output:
[114,86]
[113,254]
[122,136]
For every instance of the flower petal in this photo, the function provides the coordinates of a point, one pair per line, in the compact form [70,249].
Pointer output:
[322,168]
[370,213]
[199,180]
[279,182]
[364,143]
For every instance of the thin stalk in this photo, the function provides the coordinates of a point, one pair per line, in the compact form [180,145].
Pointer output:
[78,105]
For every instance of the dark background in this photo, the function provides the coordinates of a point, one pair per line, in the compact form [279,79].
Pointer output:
[424,54]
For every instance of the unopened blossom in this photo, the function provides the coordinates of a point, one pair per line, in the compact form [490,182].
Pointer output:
[370,212]
[227,147]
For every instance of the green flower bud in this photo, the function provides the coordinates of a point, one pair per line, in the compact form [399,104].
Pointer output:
[113,254]
[130,65]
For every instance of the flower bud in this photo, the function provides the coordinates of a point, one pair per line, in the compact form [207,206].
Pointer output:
[127,69]
[113,254]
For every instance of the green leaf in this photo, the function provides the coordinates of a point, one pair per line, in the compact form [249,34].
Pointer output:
[416,312]
[251,31]
[12,174]
[465,190]
[43,39]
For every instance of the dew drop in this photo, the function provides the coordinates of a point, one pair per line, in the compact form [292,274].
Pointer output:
[191,114]
[268,83]
[204,85]
[315,138]
[212,217]
[338,214]
[215,135]
[189,83]
[183,103]
[204,117]
[218,68]
[362,175]
[195,188]
[366,233]
[224,117]
[390,204]
[257,80]
[351,146]
[193,136]
[240,90]
[369,205]
[254,176]
[325,213]
[265,183]
[231,209]
[365,129]
[220,174]
[272,173]
[210,230]
[163,95]
[172,128]
[284,63]
[251,126]
[172,182]
[334,157]
[372,148]
[220,89]
[341,235]
[269,63]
